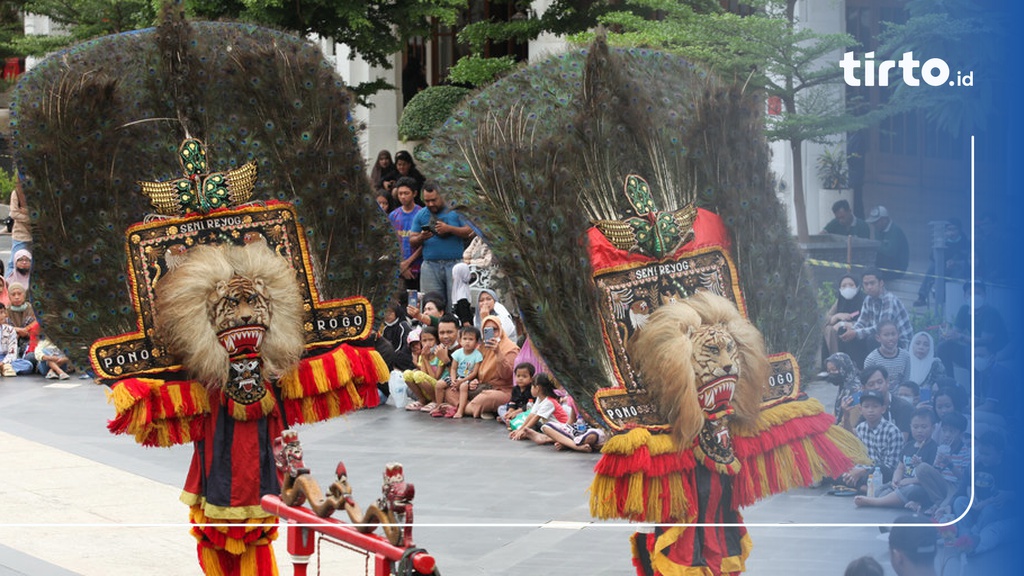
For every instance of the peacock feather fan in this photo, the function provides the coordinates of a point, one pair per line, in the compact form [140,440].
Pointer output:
[91,121]
[538,157]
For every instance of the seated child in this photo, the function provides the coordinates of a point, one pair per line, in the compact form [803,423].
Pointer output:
[889,355]
[50,360]
[8,343]
[421,381]
[546,408]
[466,362]
[908,488]
[881,438]
[521,396]
[952,460]
[579,437]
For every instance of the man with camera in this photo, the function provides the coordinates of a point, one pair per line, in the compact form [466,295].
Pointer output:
[442,232]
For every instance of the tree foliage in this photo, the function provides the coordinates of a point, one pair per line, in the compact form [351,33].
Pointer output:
[768,50]
[374,29]
[562,17]
[80,20]
[967,35]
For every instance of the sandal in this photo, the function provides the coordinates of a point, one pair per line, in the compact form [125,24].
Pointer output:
[414,405]
[429,407]
[440,411]
[450,411]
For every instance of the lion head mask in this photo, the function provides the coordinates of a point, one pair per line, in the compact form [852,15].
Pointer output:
[221,301]
[702,361]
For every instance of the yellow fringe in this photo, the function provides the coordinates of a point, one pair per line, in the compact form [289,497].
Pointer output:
[851,446]
[289,384]
[776,415]
[202,512]
[121,398]
[353,393]
[762,474]
[320,378]
[653,496]
[659,444]
[344,367]
[174,393]
[627,443]
[635,497]
[602,498]
[679,506]
[382,368]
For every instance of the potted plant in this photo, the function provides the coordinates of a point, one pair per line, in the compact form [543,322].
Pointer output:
[833,171]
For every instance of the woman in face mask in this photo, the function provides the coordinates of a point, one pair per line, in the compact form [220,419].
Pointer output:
[840,317]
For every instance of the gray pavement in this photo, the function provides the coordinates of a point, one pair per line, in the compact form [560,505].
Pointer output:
[484,504]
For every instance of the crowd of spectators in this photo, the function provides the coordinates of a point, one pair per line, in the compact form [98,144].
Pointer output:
[907,397]
[904,394]
[462,353]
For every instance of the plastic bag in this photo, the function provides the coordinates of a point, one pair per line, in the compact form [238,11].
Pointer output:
[517,422]
[399,390]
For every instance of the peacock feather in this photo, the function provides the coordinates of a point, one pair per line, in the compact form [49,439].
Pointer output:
[541,155]
[90,122]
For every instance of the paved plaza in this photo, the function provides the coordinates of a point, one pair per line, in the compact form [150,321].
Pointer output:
[78,500]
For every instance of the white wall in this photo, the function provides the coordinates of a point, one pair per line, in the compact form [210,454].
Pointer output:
[826,17]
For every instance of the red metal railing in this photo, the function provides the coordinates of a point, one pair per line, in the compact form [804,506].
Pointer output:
[302,544]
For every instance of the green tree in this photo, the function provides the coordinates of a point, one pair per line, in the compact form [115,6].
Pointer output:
[81,19]
[562,17]
[967,35]
[767,50]
[10,28]
[374,29]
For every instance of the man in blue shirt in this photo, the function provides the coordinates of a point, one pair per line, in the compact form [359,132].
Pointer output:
[441,232]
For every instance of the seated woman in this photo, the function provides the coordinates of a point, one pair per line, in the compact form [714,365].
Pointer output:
[849,298]
[925,368]
[843,374]
[488,305]
[22,316]
[496,371]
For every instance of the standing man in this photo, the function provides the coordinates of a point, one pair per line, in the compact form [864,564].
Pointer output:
[894,253]
[879,304]
[845,223]
[402,219]
[441,232]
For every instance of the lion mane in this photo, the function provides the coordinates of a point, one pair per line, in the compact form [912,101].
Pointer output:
[187,296]
[664,354]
